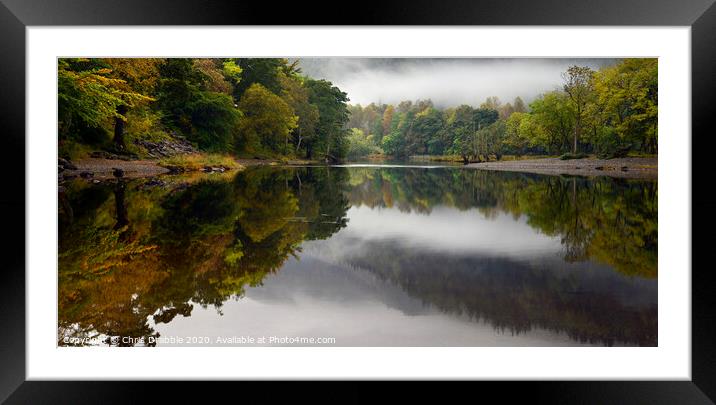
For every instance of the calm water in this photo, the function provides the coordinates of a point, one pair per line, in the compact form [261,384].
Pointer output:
[359,256]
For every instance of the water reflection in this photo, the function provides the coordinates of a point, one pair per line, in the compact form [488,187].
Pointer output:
[418,256]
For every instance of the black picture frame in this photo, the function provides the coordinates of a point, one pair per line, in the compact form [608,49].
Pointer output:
[15,15]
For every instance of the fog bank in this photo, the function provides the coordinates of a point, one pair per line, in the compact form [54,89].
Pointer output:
[448,82]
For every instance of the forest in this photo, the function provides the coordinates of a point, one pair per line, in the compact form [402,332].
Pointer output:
[259,108]
[267,108]
[609,112]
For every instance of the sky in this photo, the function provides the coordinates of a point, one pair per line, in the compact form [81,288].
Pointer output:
[447,82]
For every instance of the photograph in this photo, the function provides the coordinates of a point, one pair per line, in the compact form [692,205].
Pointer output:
[357,201]
[463,191]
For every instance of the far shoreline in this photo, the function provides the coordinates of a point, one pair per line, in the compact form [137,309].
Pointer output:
[629,167]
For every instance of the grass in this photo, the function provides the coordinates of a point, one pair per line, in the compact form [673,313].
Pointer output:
[436,158]
[197,161]
[642,155]
[73,151]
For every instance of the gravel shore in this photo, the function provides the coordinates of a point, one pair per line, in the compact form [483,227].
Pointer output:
[104,168]
[638,168]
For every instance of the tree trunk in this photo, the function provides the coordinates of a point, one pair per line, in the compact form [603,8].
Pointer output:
[120,206]
[577,130]
[119,128]
[298,145]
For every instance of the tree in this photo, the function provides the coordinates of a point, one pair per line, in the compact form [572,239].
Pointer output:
[179,84]
[330,139]
[296,96]
[215,80]
[405,106]
[267,122]
[394,143]
[517,135]
[372,121]
[578,85]
[214,121]
[492,103]
[232,71]
[387,119]
[462,125]
[427,125]
[207,118]
[90,92]
[627,98]
[264,71]
[553,118]
[360,145]
[493,137]
[404,139]
[518,105]
[484,117]
[139,76]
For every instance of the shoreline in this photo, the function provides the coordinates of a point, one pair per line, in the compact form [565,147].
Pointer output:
[628,168]
[103,169]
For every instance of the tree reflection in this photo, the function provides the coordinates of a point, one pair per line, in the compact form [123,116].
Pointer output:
[148,253]
[131,254]
[588,304]
[610,220]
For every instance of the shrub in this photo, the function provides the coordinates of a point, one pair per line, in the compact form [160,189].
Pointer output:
[214,120]
[360,145]
[569,156]
[198,161]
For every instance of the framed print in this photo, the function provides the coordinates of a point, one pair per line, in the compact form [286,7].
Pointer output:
[466,193]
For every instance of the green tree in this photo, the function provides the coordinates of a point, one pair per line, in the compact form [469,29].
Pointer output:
[395,143]
[553,119]
[232,71]
[426,127]
[179,85]
[264,71]
[461,126]
[267,122]
[330,139]
[627,97]
[578,85]
[518,133]
[296,96]
[360,145]
[209,119]
[214,121]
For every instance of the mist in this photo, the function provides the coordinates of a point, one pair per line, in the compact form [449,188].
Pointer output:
[447,82]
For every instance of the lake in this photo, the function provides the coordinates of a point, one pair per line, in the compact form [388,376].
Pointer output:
[359,255]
